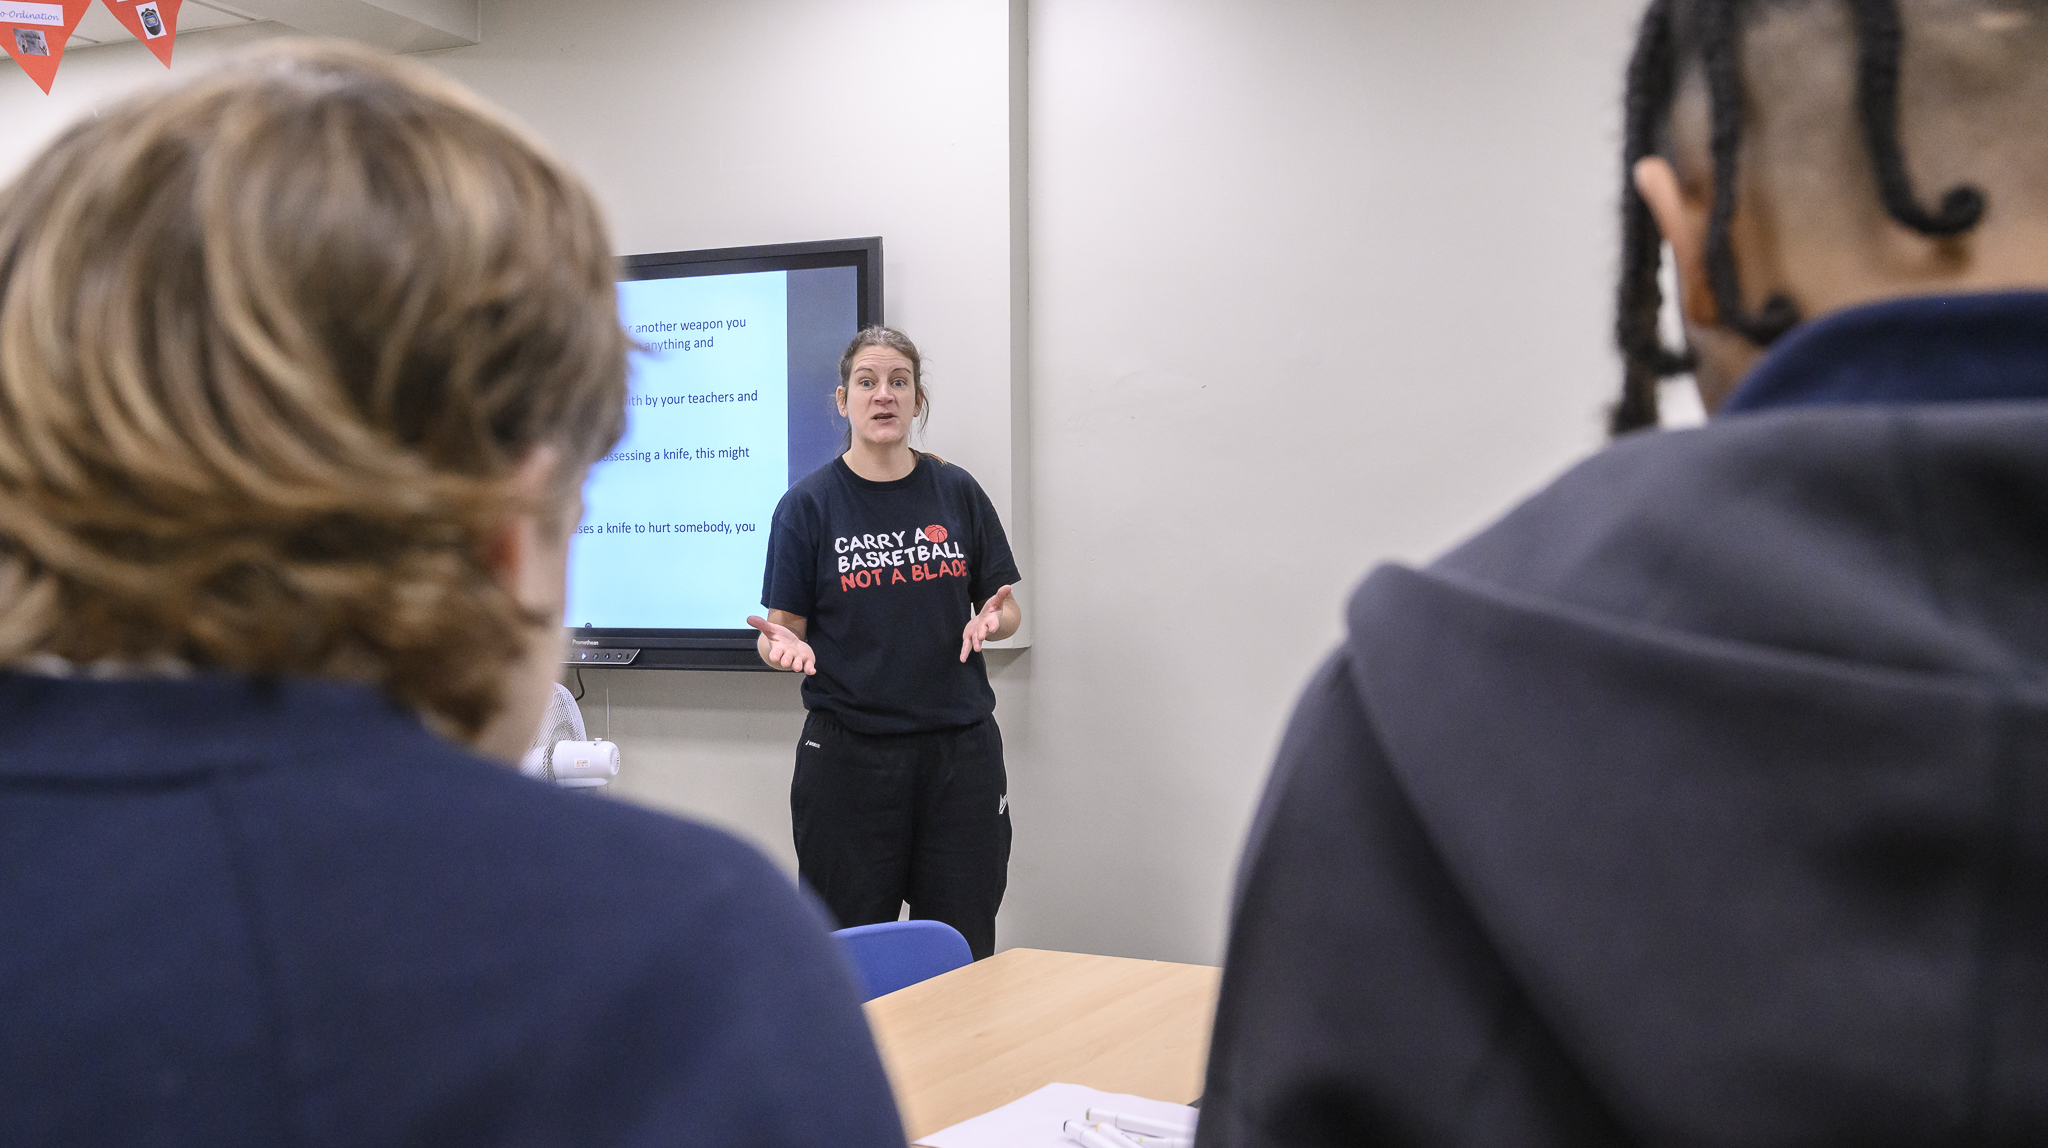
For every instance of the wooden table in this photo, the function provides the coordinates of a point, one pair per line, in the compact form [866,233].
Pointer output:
[979,1037]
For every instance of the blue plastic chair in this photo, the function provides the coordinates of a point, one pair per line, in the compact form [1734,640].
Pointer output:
[897,954]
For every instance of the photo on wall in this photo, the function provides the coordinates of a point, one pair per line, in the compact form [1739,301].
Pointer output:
[31,42]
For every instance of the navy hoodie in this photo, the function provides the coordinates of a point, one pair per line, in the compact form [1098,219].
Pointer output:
[1702,800]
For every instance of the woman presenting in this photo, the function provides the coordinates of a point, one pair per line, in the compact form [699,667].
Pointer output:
[887,570]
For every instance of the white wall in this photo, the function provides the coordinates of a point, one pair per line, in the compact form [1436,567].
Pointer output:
[718,123]
[90,77]
[721,123]
[1312,285]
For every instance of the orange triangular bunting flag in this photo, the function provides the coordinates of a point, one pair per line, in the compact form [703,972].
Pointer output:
[35,34]
[154,22]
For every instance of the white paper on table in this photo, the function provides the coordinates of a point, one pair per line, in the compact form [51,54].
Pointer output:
[1034,1121]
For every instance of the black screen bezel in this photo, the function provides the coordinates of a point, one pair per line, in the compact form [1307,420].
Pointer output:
[668,649]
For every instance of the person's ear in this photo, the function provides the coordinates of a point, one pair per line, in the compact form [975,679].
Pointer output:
[1683,221]
[527,555]
[839,396]
[521,550]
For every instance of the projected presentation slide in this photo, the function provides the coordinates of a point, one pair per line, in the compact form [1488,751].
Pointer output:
[675,523]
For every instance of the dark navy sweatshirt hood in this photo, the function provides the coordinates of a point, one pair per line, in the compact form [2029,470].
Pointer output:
[1725,738]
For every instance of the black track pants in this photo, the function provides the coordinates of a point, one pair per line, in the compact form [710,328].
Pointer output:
[882,819]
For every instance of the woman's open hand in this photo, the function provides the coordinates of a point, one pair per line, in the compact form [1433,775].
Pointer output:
[985,623]
[785,650]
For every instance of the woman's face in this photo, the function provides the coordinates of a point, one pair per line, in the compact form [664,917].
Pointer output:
[879,397]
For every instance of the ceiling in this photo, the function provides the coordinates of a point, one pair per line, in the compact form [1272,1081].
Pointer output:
[100,27]
[400,25]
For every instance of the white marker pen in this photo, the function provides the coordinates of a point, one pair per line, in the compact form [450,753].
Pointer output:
[1149,1125]
[1092,1135]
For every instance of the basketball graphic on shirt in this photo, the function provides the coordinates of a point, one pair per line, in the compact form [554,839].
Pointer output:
[936,533]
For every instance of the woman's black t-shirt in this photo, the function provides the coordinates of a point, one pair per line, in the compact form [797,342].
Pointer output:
[886,575]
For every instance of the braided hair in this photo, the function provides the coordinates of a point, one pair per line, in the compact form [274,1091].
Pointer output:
[1676,34]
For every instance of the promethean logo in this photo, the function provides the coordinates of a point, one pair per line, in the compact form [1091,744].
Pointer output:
[580,642]
[18,13]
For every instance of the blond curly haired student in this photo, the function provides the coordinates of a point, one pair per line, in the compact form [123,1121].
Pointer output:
[301,367]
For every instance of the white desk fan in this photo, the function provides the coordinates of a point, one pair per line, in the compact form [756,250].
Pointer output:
[562,753]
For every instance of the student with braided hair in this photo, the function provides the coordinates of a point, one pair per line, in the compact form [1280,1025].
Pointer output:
[1703,799]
